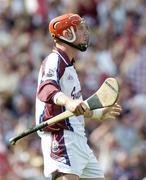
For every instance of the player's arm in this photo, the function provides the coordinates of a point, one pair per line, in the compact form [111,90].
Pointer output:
[49,78]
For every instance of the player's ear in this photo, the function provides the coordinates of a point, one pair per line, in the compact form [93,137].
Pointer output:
[68,34]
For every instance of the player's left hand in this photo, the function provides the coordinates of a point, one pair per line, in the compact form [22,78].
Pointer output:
[111,112]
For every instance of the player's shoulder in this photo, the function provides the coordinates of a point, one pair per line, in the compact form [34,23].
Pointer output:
[50,59]
[56,59]
[52,56]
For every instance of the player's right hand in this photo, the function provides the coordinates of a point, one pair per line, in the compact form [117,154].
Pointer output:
[77,107]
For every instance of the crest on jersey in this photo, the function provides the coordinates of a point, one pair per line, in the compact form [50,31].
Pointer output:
[55,146]
[69,77]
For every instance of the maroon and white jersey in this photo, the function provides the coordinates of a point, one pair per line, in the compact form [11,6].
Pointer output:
[57,73]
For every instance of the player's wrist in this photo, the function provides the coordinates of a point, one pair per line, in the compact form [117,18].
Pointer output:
[57,95]
[61,99]
[97,114]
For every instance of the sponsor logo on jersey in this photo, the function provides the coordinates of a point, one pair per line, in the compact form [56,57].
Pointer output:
[74,94]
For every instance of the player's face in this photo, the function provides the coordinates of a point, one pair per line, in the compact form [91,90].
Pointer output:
[82,34]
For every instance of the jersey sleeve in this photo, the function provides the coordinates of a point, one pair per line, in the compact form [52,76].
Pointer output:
[49,78]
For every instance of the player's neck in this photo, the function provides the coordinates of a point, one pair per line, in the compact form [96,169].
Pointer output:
[71,52]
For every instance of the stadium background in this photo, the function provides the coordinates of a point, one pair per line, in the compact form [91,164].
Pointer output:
[117,48]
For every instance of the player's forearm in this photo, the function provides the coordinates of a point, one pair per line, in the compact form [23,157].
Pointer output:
[97,114]
[76,106]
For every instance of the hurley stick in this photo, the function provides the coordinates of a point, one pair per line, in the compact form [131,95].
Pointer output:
[105,96]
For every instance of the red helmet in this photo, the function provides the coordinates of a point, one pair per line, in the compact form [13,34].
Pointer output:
[60,24]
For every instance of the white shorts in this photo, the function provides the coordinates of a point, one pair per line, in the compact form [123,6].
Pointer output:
[69,152]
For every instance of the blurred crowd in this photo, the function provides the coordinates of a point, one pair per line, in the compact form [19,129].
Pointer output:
[117,49]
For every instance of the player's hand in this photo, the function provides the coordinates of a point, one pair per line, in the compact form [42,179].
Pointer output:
[78,107]
[111,112]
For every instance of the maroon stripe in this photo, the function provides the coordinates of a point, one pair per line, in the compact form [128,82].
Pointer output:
[58,148]
[61,67]
[49,113]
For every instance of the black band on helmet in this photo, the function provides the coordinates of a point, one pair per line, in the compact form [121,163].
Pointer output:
[81,47]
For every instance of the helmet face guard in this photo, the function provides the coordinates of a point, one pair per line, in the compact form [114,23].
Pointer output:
[68,22]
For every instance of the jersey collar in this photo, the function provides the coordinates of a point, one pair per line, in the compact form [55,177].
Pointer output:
[64,55]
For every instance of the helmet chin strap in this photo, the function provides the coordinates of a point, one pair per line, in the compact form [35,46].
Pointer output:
[81,47]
